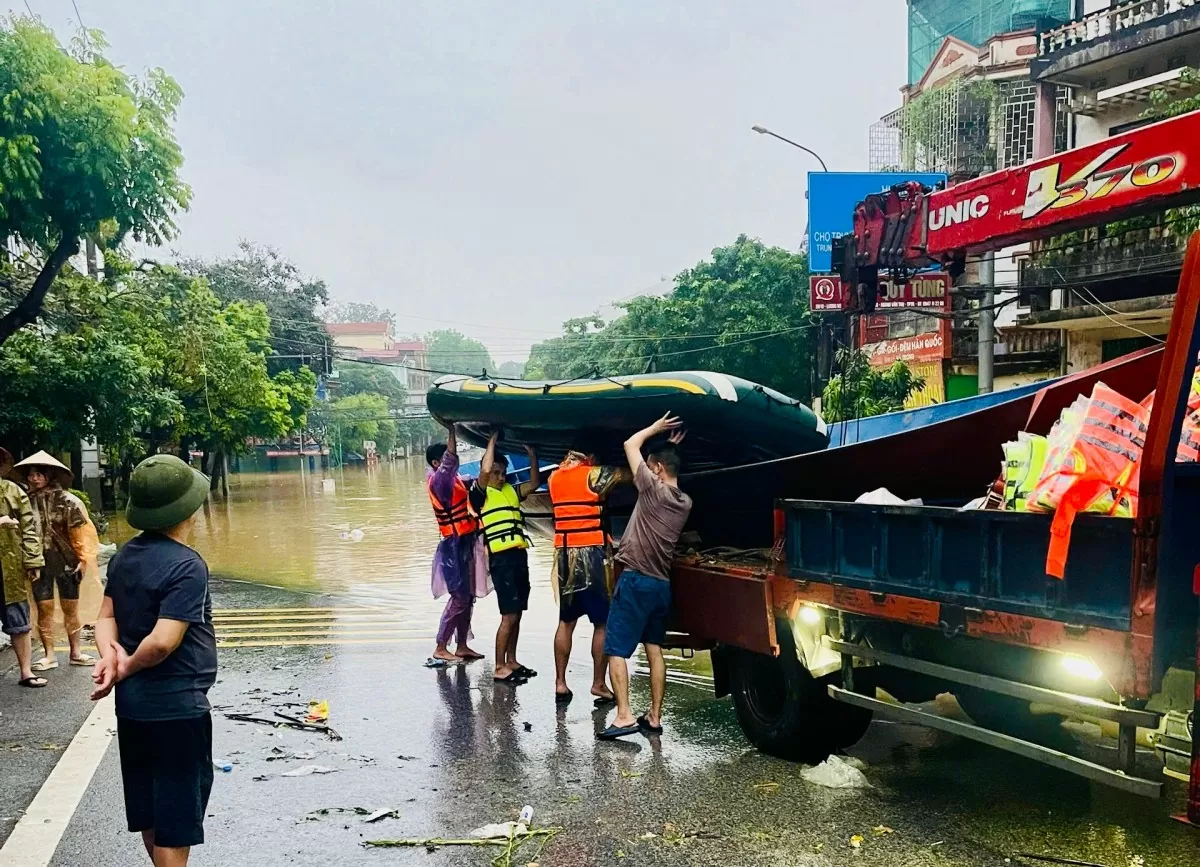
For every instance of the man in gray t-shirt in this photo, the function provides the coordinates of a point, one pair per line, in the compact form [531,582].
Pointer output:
[641,602]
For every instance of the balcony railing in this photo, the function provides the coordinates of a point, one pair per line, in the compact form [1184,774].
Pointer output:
[1107,22]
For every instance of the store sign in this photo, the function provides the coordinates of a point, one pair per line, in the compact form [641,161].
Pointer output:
[832,198]
[825,293]
[913,350]
[1143,167]
[921,292]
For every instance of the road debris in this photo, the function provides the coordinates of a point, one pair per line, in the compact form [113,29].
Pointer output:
[285,721]
[880,830]
[856,841]
[308,771]
[835,773]
[511,845]
[318,712]
[768,787]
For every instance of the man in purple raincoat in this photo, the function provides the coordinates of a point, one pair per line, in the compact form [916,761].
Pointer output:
[460,562]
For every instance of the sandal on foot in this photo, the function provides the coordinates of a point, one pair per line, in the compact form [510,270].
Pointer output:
[613,732]
[525,672]
[644,725]
[563,697]
[513,677]
[83,659]
[44,664]
[604,700]
[33,682]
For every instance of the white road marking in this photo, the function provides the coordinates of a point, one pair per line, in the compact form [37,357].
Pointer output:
[36,837]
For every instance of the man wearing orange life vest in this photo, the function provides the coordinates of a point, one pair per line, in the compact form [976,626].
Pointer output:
[578,489]
[460,562]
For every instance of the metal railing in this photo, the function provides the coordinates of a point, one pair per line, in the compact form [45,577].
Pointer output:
[1107,22]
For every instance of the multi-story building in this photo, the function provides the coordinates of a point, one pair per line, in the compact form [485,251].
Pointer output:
[1110,289]
[970,110]
[408,360]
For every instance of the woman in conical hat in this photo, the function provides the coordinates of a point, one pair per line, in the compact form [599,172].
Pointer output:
[69,544]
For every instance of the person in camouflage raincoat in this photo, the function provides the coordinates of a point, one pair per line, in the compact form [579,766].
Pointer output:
[20,558]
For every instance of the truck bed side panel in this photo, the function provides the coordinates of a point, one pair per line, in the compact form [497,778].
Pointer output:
[975,559]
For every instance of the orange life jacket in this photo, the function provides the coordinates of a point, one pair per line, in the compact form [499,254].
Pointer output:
[578,510]
[1108,452]
[455,519]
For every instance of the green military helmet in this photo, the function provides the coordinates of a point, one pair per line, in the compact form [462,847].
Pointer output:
[164,491]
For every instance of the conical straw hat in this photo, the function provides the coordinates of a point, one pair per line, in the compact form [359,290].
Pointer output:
[45,459]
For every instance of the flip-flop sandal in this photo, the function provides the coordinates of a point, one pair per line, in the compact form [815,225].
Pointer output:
[604,701]
[44,664]
[644,725]
[513,678]
[613,732]
[525,672]
[33,682]
[435,663]
[85,659]
[563,697]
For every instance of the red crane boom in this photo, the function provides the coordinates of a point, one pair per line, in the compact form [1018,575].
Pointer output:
[910,226]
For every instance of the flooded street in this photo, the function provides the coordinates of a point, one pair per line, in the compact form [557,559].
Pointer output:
[305,612]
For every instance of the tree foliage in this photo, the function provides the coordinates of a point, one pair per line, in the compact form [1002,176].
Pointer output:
[357,311]
[861,391]
[356,418]
[85,151]
[259,275]
[358,378]
[453,352]
[743,312]
[142,360]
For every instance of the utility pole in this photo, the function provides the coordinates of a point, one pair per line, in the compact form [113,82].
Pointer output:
[987,323]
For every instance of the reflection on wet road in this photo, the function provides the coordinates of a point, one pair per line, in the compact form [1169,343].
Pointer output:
[451,750]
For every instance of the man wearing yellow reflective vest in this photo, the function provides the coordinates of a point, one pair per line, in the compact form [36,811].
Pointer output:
[498,505]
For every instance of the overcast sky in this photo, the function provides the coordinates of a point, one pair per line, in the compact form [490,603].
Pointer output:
[503,166]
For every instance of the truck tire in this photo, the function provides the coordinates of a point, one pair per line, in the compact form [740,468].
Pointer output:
[1008,715]
[784,711]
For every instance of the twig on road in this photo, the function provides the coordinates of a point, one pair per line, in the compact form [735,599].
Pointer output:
[285,722]
[511,845]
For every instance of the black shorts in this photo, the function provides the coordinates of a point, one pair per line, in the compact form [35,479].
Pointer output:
[510,577]
[167,772]
[56,572]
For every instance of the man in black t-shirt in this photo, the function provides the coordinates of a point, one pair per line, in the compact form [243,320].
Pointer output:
[159,650]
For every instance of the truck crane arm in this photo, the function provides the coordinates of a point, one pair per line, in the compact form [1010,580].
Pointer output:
[911,226]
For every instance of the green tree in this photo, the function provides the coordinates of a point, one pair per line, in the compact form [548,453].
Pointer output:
[357,311]
[359,378]
[860,391]
[744,312]
[359,417]
[511,369]
[86,151]
[260,275]
[453,352]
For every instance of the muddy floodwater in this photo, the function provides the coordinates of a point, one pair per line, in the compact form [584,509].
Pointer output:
[371,540]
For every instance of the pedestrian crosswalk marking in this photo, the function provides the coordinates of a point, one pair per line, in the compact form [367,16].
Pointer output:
[305,643]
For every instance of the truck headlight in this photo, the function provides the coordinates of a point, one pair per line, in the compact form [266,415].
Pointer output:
[1081,667]
[811,615]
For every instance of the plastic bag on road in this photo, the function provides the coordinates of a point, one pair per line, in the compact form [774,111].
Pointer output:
[308,770]
[500,829]
[836,773]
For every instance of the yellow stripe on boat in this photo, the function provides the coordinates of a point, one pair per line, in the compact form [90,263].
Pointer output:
[586,388]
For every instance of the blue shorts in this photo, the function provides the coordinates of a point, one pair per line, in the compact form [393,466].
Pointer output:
[640,608]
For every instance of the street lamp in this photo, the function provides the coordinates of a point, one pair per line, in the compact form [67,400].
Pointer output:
[762,130]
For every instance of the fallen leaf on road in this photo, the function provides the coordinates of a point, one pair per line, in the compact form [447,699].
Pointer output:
[629,775]
[50,747]
[766,787]
[382,814]
[649,835]
[880,830]
[318,711]
[308,770]
[856,841]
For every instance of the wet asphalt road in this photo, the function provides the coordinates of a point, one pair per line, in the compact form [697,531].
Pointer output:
[450,750]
